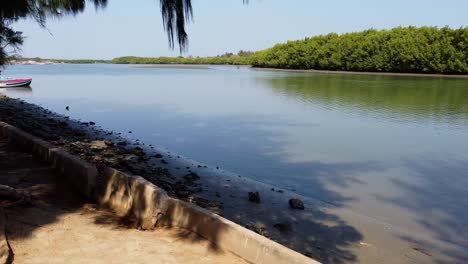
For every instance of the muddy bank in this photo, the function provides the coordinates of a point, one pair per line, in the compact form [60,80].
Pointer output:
[326,232]
[461,76]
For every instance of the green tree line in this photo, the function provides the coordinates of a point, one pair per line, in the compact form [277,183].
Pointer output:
[402,49]
[241,58]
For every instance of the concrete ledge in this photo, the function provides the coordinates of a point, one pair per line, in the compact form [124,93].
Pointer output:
[136,197]
[132,196]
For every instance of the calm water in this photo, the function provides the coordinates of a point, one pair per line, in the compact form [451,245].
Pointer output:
[394,148]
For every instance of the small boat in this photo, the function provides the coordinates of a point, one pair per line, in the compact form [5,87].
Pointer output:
[4,83]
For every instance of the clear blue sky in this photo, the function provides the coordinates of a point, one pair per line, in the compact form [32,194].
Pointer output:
[135,27]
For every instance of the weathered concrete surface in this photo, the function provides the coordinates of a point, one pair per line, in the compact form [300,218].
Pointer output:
[59,227]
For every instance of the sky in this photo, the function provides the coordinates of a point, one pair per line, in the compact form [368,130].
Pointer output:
[134,27]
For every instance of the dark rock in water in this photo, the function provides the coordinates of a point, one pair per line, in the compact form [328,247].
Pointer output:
[92,123]
[191,177]
[258,228]
[158,156]
[296,204]
[254,197]
[67,108]
[122,143]
[164,162]
[283,227]
[272,189]
[138,151]
[130,132]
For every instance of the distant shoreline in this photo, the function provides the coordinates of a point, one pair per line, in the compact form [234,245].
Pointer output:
[365,73]
[175,66]
[208,66]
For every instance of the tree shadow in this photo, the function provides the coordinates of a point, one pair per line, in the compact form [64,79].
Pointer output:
[436,194]
[316,231]
[54,199]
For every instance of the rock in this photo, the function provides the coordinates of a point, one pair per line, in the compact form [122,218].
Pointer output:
[254,197]
[192,176]
[98,145]
[164,162]
[92,123]
[67,108]
[283,227]
[122,143]
[138,152]
[296,204]
[258,228]
[158,156]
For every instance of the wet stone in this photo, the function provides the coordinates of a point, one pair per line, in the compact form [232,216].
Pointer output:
[283,227]
[254,197]
[122,143]
[296,204]
[258,228]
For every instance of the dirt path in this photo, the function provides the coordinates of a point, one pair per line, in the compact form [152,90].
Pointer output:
[60,228]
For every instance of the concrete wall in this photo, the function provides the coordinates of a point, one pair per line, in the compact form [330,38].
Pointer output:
[134,196]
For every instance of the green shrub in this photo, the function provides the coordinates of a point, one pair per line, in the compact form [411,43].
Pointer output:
[402,49]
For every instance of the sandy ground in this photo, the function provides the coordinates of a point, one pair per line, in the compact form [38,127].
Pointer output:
[326,232]
[59,228]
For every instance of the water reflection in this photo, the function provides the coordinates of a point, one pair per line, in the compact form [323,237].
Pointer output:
[16,91]
[416,98]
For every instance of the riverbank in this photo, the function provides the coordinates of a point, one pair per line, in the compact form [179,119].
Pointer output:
[206,65]
[322,230]
[462,76]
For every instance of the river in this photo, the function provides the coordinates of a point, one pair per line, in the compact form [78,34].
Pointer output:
[394,148]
